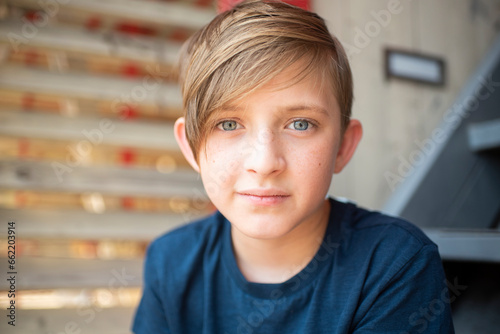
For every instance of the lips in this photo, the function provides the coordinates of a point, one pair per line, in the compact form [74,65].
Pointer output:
[264,197]
[264,192]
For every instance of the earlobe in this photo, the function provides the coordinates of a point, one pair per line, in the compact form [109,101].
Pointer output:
[350,141]
[180,137]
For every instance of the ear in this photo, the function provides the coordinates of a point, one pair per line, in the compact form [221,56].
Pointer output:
[180,137]
[352,136]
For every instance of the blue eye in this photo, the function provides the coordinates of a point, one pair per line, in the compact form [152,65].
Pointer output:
[301,125]
[228,125]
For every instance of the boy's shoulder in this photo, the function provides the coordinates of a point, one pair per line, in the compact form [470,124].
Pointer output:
[366,221]
[380,235]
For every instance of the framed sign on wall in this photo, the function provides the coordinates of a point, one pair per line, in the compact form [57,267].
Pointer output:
[414,67]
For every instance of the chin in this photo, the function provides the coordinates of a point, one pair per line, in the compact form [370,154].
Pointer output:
[263,229]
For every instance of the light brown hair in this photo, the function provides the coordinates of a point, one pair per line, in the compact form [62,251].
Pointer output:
[243,48]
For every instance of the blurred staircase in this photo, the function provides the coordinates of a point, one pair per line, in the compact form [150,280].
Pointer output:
[454,196]
[89,169]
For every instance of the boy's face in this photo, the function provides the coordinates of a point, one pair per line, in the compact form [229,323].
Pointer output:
[268,164]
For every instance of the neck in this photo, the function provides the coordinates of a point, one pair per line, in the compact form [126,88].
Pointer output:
[277,260]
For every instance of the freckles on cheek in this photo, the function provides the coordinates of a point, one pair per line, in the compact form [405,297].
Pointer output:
[320,161]
[219,168]
[309,163]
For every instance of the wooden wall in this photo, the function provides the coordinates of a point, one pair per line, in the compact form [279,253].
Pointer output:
[89,169]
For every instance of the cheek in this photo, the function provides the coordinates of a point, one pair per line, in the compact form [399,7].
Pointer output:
[218,168]
[315,161]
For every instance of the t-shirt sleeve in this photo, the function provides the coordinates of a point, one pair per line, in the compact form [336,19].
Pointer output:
[150,314]
[414,300]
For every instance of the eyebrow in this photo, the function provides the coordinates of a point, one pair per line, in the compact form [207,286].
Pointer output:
[305,107]
[290,108]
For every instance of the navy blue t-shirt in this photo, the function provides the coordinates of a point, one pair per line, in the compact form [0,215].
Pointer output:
[372,274]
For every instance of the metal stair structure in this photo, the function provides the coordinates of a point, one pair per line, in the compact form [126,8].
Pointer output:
[454,193]
[454,196]
[89,169]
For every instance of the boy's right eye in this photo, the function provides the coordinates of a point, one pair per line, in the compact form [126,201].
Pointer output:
[228,125]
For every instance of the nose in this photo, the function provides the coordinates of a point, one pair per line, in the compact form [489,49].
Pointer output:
[265,154]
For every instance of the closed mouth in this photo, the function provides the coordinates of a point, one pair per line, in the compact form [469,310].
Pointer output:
[264,197]
[264,193]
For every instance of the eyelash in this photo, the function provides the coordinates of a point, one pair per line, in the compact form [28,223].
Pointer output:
[220,125]
[310,124]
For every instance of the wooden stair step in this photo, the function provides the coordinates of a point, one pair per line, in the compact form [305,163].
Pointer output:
[148,13]
[107,180]
[35,273]
[86,320]
[165,95]
[96,131]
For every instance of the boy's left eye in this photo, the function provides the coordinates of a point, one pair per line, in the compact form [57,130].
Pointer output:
[228,125]
[299,125]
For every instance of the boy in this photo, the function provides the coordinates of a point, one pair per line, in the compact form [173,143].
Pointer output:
[267,96]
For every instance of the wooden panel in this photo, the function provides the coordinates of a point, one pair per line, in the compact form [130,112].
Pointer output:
[53,273]
[44,176]
[113,295]
[92,87]
[71,248]
[87,320]
[17,99]
[96,76]
[99,43]
[164,161]
[94,130]
[80,224]
[152,13]
[96,202]
[100,52]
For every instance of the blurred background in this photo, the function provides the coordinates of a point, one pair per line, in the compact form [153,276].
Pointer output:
[90,172]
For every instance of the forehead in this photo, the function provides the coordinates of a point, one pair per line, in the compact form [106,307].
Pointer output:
[293,89]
